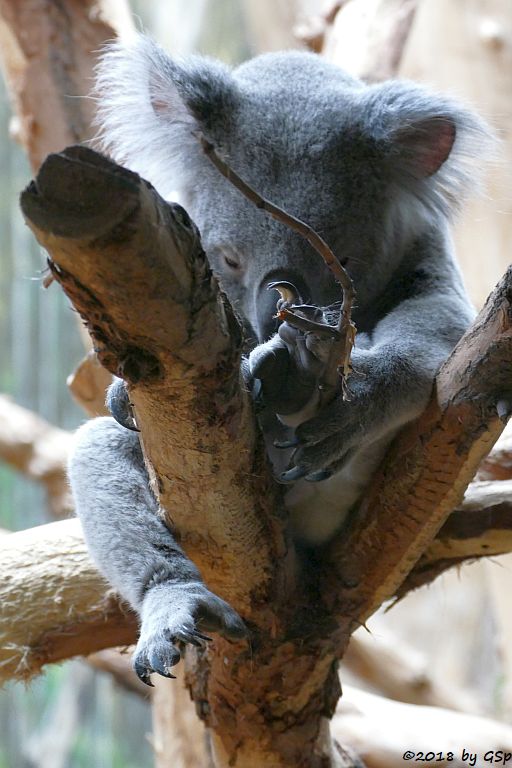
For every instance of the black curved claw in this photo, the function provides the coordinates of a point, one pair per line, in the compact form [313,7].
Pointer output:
[143,672]
[191,636]
[162,666]
[293,474]
[118,403]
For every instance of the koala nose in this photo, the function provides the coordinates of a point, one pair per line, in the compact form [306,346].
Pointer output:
[266,301]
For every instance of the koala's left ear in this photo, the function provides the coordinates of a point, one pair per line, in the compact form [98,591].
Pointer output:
[150,106]
[432,147]
[424,146]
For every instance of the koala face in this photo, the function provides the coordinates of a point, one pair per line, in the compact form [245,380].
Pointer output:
[368,167]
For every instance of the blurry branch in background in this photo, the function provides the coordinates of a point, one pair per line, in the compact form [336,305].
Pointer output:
[39,450]
[391,667]
[379,729]
[45,56]
[383,25]
[311,29]
[88,384]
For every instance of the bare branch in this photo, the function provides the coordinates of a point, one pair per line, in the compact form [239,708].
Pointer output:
[384,29]
[45,54]
[54,604]
[427,469]
[169,333]
[38,449]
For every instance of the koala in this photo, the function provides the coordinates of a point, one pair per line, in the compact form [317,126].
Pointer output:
[378,171]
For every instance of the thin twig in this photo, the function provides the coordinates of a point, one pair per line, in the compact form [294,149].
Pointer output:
[338,362]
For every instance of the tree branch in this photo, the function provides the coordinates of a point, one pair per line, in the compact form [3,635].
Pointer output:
[427,469]
[384,30]
[167,331]
[165,328]
[38,449]
[54,603]
[49,91]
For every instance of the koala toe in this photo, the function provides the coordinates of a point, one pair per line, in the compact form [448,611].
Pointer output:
[216,615]
[155,654]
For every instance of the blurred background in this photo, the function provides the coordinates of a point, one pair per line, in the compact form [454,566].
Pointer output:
[453,637]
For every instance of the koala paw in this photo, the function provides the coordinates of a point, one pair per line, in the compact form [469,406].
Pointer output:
[178,613]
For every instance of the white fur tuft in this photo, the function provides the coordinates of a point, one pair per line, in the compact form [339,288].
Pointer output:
[143,122]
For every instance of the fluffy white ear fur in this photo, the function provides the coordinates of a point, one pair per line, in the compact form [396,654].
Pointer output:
[143,122]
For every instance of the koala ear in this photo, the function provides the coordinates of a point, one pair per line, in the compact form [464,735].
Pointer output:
[150,106]
[424,146]
[431,146]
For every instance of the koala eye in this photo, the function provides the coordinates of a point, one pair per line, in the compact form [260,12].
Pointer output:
[230,260]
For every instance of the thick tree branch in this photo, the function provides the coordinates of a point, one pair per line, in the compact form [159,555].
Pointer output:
[168,332]
[481,527]
[428,468]
[54,603]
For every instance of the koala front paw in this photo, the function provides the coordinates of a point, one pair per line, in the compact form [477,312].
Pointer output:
[178,613]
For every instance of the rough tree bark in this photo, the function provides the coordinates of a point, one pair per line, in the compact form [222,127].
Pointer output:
[53,600]
[46,55]
[168,333]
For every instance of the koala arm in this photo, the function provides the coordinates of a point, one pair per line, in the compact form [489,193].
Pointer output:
[135,550]
[393,373]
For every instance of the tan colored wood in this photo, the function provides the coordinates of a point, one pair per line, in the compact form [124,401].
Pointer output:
[428,467]
[31,445]
[54,602]
[179,736]
[473,61]
[47,54]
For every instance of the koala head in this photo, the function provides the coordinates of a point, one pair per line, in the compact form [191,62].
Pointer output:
[370,168]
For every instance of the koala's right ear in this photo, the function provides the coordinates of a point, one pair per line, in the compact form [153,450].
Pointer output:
[149,107]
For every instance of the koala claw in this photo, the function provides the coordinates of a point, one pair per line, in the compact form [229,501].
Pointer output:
[172,614]
[118,403]
[295,473]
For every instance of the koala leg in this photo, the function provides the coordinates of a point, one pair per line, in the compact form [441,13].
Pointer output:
[137,553]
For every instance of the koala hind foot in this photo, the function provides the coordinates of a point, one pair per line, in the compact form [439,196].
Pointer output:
[175,613]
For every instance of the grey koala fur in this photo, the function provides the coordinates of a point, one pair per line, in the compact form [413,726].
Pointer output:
[378,171]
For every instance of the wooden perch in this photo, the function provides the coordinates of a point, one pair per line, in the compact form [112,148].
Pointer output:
[58,553]
[167,331]
[427,469]
[54,602]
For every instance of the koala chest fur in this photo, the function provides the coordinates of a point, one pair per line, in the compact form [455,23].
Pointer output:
[378,171]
